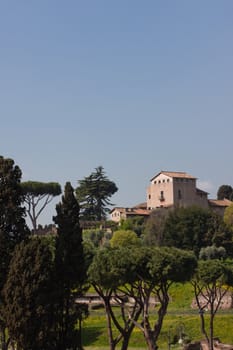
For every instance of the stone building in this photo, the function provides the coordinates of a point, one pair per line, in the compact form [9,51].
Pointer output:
[171,189]
[176,189]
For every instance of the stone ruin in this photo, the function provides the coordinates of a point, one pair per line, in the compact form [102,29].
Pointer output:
[226,303]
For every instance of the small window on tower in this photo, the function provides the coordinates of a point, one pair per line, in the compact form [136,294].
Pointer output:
[161,196]
[179,194]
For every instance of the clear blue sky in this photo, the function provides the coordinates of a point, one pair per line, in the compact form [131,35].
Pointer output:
[134,86]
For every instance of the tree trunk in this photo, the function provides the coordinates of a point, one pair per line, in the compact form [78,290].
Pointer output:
[211,338]
[150,341]
[149,335]
[125,341]
[203,329]
[79,345]
[33,217]
[112,344]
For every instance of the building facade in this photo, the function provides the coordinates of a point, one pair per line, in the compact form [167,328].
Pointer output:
[119,213]
[176,189]
[171,189]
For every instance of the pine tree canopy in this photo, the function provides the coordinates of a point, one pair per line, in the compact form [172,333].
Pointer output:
[93,194]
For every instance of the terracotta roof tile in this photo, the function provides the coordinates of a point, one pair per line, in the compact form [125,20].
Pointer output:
[138,212]
[140,206]
[175,174]
[220,202]
[120,209]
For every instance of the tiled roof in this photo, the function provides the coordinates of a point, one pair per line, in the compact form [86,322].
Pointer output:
[131,211]
[120,209]
[175,174]
[201,191]
[220,202]
[141,205]
[134,211]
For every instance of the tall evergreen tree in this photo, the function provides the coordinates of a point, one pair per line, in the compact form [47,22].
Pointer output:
[70,269]
[13,228]
[93,194]
[28,295]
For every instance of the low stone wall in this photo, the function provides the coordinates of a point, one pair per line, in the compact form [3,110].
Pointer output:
[226,303]
[203,345]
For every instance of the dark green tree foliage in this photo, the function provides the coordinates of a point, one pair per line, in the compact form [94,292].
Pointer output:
[28,296]
[37,195]
[97,237]
[110,270]
[193,228]
[138,274]
[158,269]
[154,227]
[135,224]
[211,282]
[225,191]
[93,194]
[70,268]
[13,228]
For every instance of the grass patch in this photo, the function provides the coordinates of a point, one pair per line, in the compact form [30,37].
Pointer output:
[180,317]
[181,296]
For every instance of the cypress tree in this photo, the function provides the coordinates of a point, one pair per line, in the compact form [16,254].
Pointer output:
[13,228]
[70,269]
[28,294]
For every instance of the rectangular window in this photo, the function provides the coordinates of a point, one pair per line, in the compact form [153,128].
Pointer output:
[179,194]
[161,196]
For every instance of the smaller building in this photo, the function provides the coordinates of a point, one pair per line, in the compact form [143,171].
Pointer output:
[219,205]
[119,213]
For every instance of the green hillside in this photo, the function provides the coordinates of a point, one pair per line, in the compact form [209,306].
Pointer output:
[180,318]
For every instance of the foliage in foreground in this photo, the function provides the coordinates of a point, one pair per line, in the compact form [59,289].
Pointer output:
[13,228]
[139,275]
[69,270]
[28,296]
